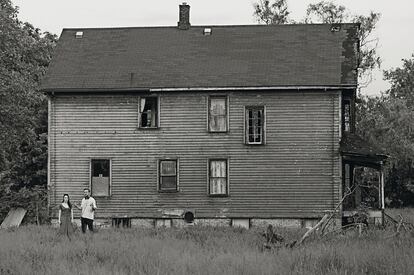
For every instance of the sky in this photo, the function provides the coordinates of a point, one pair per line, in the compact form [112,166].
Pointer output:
[396,39]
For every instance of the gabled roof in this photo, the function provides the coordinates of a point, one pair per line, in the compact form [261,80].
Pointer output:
[232,56]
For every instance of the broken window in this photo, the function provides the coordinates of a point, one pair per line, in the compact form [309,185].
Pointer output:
[346,125]
[101,177]
[218,177]
[255,125]
[148,112]
[217,114]
[168,175]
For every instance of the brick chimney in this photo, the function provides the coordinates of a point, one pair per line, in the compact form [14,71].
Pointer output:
[184,23]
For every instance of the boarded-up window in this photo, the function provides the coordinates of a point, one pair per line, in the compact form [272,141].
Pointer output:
[255,125]
[148,112]
[217,114]
[168,175]
[101,177]
[218,177]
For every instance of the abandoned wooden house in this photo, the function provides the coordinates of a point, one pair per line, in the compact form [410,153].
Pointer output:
[223,125]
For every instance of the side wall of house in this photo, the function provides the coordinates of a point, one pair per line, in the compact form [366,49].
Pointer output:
[296,174]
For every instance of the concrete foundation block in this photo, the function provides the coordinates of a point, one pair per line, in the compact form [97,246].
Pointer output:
[289,223]
[102,223]
[167,223]
[213,222]
[142,223]
[242,223]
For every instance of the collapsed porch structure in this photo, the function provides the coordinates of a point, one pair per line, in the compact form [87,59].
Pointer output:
[362,180]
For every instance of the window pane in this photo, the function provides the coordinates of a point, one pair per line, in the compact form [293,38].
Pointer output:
[148,112]
[168,175]
[218,106]
[218,114]
[168,183]
[168,168]
[100,168]
[218,168]
[347,116]
[100,177]
[218,186]
[255,119]
[218,123]
[100,186]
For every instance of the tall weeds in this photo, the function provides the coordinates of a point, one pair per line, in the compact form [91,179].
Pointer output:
[200,250]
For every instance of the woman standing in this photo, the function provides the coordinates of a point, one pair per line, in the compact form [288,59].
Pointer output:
[66,217]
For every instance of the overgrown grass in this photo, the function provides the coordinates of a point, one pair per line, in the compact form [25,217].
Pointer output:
[407,213]
[201,250]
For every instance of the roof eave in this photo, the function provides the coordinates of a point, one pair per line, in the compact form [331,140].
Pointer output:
[173,89]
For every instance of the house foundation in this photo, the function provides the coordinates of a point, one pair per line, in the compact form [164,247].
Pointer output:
[147,223]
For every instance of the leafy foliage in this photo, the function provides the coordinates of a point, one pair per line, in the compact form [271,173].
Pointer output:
[329,12]
[326,12]
[269,14]
[25,53]
[388,121]
[402,82]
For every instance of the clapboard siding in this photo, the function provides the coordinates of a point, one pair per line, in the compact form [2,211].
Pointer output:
[295,174]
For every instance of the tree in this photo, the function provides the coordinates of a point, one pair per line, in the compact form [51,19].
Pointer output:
[402,82]
[326,12]
[269,14]
[25,53]
[329,12]
[388,121]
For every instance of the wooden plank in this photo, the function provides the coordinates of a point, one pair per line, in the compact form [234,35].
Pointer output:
[14,218]
[295,174]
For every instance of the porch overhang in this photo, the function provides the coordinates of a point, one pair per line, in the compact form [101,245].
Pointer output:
[360,152]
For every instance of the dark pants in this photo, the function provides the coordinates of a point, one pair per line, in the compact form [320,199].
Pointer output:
[86,222]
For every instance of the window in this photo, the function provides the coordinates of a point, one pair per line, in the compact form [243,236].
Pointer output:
[148,112]
[100,177]
[168,175]
[218,180]
[346,124]
[217,114]
[255,124]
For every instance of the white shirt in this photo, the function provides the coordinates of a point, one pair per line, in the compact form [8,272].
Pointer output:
[87,210]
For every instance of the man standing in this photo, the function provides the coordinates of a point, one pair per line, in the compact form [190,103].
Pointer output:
[88,206]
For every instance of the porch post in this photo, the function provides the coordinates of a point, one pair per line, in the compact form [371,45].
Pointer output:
[382,188]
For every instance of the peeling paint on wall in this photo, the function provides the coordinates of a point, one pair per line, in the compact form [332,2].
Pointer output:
[350,47]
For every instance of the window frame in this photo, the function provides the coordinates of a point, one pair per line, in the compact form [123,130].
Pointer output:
[246,124]
[177,170]
[226,98]
[227,194]
[110,177]
[347,101]
[157,123]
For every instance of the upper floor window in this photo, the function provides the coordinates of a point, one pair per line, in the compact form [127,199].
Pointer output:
[255,124]
[217,114]
[168,175]
[100,177]
[346,116]
[148,112]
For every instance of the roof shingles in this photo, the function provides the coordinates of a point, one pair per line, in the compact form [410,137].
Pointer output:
[233,56]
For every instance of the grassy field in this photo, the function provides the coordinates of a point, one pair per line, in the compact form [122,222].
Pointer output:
[196,250]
